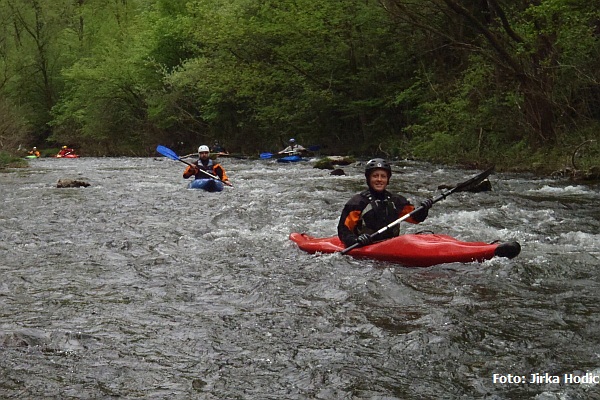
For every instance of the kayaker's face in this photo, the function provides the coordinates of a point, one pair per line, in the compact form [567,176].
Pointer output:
[378,180]
[203,155]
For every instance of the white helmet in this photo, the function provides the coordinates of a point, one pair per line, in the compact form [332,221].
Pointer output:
[203,148]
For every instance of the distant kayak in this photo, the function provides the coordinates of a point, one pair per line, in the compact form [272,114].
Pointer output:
[283,157]
[290,159]
[68,156]
[413,250]
[209,185]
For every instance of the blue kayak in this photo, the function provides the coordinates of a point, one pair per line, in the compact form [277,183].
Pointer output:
[290,159]
[210,185]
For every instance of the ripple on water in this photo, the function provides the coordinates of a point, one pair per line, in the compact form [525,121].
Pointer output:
[137,287]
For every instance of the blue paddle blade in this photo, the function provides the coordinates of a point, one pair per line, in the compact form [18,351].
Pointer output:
[165,151]
[266,155]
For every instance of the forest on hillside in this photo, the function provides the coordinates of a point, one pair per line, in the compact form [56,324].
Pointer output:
[511,82]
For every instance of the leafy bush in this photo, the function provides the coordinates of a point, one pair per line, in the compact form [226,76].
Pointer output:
[9,161]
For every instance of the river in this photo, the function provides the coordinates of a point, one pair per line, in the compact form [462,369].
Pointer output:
[138,288]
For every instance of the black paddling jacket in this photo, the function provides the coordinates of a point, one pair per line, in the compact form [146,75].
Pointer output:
[369,211]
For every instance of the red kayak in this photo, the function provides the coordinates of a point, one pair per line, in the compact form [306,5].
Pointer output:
[68,156]
[413,250]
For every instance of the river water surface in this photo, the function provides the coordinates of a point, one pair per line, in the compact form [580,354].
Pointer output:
[138,288]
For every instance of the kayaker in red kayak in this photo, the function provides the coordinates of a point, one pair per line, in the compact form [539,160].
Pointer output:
[65,151]
[204,163]
[374,208]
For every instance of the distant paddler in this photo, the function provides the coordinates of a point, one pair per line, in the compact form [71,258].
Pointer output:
[34,152]
[65,151]
[219,150]
[293,148]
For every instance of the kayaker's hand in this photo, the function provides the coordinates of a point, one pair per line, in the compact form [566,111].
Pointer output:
[364,239]
[426,204]
[194,170]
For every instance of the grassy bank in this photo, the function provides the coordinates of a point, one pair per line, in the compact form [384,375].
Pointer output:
[10,161]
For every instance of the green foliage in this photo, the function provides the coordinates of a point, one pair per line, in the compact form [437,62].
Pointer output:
[446,81]
[105,105]
[13,127]
[474,119]
[107,94]
[288,68]
[30,62]
[9,161]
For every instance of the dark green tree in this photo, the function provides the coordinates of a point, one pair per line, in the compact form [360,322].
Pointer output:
[502,73]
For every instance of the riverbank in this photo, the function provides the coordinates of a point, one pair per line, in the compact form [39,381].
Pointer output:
[9,161]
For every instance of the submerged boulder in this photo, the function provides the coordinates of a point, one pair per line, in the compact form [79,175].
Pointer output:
[70,183]
[483,186]
[330,161]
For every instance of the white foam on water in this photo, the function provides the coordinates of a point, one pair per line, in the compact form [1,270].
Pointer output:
[566,190]
[582,240]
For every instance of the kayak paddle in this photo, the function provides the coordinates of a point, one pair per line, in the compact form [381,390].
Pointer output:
[466,185]
[165,151]
[266,156]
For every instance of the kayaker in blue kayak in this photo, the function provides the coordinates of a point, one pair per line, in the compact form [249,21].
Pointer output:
[204,163]
[293,149]
[217,148]
[374,208]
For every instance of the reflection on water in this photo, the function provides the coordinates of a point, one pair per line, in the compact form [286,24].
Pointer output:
[136,287]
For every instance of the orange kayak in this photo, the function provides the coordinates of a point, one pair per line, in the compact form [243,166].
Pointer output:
[413,250]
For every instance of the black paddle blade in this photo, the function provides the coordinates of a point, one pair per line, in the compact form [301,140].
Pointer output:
[474,181]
